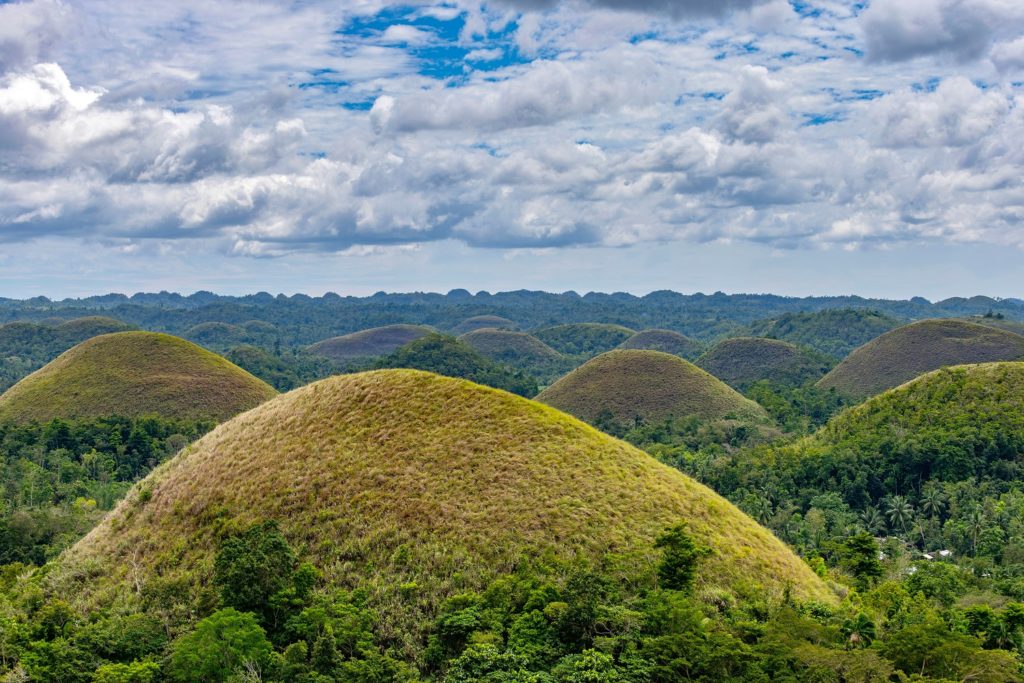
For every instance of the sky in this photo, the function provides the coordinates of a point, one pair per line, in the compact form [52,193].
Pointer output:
[791,146]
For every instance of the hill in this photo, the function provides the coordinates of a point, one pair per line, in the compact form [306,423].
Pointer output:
[834,332]
[665,341]
[626,386]
[377,341]
[482,322]
[956,424]
[405,484]
[906,352]
[77,330]
[216,334]
[444,355]
[133,374]
[742,361]
[584,339]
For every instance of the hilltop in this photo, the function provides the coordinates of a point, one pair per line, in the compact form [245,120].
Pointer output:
[912,350]
[742,361]
[665,341]
[627,385]
[833,332]
[377,341]
[408,484]
[584,339]
[133,374]
[483,322]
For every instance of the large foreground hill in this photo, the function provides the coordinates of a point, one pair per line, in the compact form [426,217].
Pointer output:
[400,478]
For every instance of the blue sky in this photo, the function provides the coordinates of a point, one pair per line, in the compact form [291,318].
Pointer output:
[797,147]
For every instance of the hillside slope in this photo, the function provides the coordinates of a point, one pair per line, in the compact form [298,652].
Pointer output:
[378,341]
[627,385]
[401,478]
[484,322]
[134,374]
[912,350]
[742,361]
[834,331]
[665,341]
[584,339]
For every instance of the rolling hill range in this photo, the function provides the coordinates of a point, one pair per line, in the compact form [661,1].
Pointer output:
[627,385]
[134,374]
[483,322]
[834,332]
[584,339]
[392,479]
[742,361]
[519,350]
[912,350]
[378,341]
[666,341]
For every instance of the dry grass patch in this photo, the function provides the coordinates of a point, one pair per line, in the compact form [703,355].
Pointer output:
[377,341]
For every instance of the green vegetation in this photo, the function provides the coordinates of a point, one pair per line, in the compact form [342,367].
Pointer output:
[833,332]
[452,358]
[220,337]
[907,352]
[665,341]
[584,340]
[284,370]
[422,487]
[134,374]
[743,361]
[372,343]
[484,322]
[56,479]
[519,350]
[635,387]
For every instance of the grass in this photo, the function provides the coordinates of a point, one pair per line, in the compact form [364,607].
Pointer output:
[584,339]
[80,329]
[134,374]
[666,341]
[216,333]
[912,350]
[481,322]
[833,331]
[510,347]
[377,341]
[650,385]
[742,361]
[399,478]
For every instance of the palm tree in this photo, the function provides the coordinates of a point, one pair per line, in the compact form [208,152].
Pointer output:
[900,512]
[933,502]
[975,525]
[859,631]
[872,521]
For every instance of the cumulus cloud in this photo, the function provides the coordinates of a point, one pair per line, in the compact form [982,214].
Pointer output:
[29,31]
[676,9]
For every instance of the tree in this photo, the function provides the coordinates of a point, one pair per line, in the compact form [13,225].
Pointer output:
[975,525]
[680,555]
[253,566]
[900,512]
[859,631]
[136,672]
[219,645]
[933,501]
[859,555]
[872,521]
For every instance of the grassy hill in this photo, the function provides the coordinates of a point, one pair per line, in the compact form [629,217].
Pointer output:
[665,341]
[584,339]
[134,374]
[626,385]
[906,352]
[742,361]
[378,341]
[415,487]
[217,334]
[835,332]
[483,322]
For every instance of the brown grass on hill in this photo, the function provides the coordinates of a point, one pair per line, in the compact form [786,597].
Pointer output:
[666,341]
[377,341]
[509,346]
[906,352]
[399,478]
[650,385]
[134,374]
[483,322]
[741,361]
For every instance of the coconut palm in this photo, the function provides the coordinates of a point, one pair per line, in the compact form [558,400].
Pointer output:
[933,502]
[859,631]
[975,525]
[872,521]
[900,512]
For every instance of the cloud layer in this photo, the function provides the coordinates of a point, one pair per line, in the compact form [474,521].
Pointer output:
[529,125]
